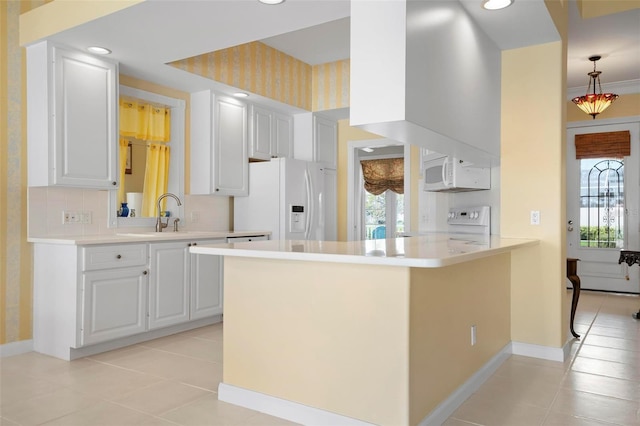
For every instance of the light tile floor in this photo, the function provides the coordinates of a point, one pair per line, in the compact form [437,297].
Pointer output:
[173,381]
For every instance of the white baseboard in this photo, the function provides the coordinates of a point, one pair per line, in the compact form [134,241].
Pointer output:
[16,348]
[282,408]
[446,408]
[307,415]
[542,352]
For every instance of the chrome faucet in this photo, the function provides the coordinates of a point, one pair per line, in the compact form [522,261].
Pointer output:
[160,225]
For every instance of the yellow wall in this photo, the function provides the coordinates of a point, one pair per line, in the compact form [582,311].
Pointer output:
[15,252]
[533,155]
[330,85]
[364,342]
[257,68]
[60,15]
[268,72]
[346,133]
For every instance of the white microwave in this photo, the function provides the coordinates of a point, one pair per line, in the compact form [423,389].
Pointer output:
[450,174]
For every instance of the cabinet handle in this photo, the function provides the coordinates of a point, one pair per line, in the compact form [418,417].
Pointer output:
[145,272]
[189,245]
[119,256]
[114,183]
[217,189]
[195,244]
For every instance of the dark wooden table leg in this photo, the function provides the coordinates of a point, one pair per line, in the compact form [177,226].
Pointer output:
[572,274]
[630,257]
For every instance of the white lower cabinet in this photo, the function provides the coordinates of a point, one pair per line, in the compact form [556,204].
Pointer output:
[89,299]
[168,284]
[206,283]
[183,286]
[114,304]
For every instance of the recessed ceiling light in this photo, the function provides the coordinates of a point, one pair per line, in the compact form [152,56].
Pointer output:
[496,4]
[271,1]
[98,50]
[241,95]
[367,149]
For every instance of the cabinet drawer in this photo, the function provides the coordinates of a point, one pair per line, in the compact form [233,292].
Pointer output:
[107,257]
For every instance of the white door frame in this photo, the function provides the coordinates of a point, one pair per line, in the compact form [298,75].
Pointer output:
[354,221]
[595,274]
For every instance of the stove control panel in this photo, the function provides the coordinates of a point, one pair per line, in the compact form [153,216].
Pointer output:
[478,216]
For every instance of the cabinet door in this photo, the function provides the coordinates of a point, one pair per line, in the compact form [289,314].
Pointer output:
[325,140]
[85,117]
[168,284]
[114,304]
[261,133]
[231,161]
[206,283]
[282,143]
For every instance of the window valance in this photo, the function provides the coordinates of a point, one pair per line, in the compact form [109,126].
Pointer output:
[607,144]
[382,174]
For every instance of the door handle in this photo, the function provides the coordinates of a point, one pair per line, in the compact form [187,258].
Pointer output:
[570,226]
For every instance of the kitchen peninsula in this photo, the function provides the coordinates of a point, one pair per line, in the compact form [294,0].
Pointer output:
[361,332]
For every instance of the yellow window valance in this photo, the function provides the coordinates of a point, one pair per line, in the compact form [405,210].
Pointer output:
[380,175]
[145,121]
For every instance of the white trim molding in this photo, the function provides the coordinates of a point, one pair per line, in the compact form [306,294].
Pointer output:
[16,348]
[282,408]
[445,409]
[542,352]
[304,414]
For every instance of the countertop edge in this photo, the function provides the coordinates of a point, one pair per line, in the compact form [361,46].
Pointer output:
[94,239]
[236,250]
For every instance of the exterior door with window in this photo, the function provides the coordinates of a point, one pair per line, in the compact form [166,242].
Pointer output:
[602,204]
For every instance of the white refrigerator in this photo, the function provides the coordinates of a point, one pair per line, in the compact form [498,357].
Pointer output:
[293,199]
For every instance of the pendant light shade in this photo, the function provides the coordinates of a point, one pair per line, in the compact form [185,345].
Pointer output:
[594,103]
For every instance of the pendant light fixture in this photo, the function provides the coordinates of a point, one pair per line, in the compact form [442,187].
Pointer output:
[594,103]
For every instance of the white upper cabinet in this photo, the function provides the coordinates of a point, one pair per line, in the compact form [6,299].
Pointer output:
[219,157]
[282,144]
[72,118]
[261,125]
[271,134]
[325,141]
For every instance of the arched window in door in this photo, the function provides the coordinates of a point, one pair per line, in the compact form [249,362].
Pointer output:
[602,203]
[602,195]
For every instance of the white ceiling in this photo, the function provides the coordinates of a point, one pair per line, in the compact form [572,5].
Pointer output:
[146,36]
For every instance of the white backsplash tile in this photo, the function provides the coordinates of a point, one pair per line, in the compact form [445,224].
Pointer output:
[47,204]
[207,212]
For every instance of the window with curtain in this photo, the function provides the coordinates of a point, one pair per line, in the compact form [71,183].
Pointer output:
[384,199]
[147,129]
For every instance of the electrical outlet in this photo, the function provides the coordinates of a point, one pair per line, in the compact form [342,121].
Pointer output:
[473,335]
[85,217]
[70,217]
[535,217]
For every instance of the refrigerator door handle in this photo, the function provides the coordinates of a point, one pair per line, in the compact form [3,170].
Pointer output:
[308,185]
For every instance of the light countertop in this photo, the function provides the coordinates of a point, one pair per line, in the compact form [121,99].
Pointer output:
[426,251]
[143,236]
